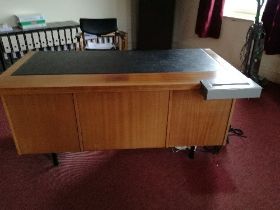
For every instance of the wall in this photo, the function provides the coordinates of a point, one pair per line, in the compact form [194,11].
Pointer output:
[229,44]
[61,10]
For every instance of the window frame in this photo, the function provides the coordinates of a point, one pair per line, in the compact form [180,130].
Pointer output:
[241,13]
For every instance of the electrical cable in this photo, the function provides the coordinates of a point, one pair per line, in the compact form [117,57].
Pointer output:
[236,132]
[214,149]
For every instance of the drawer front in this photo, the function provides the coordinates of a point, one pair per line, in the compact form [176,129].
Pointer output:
[123,120]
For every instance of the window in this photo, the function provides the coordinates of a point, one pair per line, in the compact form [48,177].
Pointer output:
[243,9]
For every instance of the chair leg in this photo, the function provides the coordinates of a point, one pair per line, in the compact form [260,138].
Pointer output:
[55,159]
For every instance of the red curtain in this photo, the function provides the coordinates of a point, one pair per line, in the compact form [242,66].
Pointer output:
[209,18]
[271,23]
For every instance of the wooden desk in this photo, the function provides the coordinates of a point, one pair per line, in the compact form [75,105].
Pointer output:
[115,100]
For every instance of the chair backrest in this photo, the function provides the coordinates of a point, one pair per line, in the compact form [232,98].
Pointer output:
[98,27]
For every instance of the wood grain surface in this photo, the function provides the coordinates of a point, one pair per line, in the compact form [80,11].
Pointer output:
[195,121]
[66,113]
[43,123]
[123,120]
[41,84]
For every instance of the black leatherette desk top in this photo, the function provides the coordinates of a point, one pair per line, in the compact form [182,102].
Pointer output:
[118,62]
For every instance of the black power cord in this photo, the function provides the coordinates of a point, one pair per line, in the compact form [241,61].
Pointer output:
[212,149]
[235,132]
[231,132]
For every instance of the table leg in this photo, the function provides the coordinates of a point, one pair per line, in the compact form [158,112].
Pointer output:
[55,159]
[191,152]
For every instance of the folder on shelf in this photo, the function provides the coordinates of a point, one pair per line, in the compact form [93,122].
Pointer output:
[21,41]
[74,34]
[68,36]
[43,40]
[15,47]
[36,40]
[62,39]
[55,37]
[6,44]
[29,41]
[49,38]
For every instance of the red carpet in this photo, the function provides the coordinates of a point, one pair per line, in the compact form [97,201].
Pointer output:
[245,175]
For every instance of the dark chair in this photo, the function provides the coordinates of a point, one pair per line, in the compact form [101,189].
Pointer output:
[102,34]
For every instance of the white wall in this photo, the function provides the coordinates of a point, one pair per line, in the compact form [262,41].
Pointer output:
[229,44]
[61,10]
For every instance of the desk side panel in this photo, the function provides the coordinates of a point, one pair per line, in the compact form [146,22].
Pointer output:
[123,120]
[43,123]
[195,121]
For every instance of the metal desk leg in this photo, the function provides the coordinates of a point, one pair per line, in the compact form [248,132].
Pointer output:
[55,159]
[191,152]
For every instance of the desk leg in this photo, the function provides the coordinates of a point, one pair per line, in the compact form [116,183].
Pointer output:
[191,152]
[55,159]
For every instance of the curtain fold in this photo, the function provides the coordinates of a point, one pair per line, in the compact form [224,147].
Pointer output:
[271,23]
[209,18]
